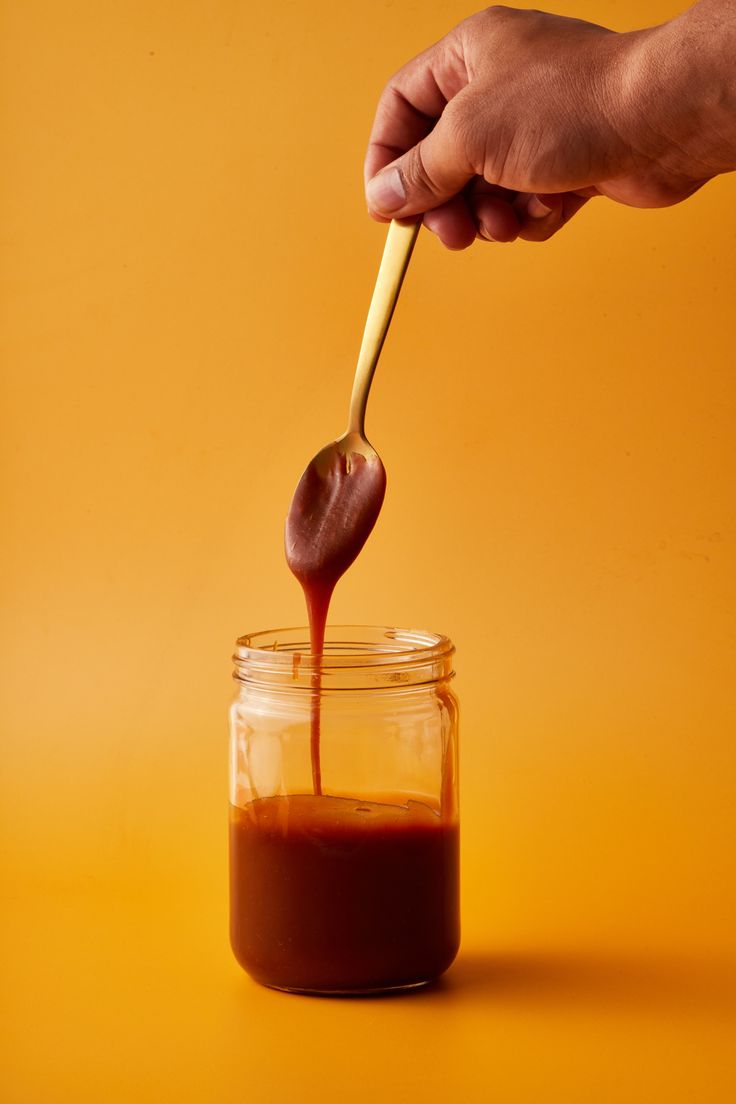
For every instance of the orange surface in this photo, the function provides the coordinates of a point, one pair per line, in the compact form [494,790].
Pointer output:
[187,268]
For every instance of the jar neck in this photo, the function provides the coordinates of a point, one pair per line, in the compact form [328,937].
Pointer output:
[355,657]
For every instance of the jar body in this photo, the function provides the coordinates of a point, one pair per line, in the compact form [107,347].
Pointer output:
[354,888]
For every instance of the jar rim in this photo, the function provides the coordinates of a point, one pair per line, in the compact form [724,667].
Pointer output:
[354,655]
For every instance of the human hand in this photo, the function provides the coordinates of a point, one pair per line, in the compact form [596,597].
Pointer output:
[506,126]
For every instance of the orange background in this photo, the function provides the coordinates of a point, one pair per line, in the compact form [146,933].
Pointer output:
[187,264]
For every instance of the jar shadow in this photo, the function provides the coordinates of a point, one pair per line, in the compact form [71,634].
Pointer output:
[594,980]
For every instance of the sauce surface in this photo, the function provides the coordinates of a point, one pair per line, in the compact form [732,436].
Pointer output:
[343,894]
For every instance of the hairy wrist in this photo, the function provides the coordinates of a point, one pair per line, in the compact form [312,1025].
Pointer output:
[677,91]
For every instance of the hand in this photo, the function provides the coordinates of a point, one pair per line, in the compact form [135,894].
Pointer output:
[505,127]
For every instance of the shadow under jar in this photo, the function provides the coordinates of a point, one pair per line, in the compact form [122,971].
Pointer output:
[354,889]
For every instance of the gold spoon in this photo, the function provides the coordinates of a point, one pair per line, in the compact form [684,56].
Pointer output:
[339,496]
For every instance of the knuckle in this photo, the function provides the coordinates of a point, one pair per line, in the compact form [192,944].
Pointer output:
[497,13]
[460,123]
[539,233]
[415,174]
[455,119]
[661,191]
[483,23]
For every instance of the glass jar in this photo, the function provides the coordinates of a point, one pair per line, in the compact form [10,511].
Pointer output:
[348,884]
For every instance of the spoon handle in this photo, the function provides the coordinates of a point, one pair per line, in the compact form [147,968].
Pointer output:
[394,263]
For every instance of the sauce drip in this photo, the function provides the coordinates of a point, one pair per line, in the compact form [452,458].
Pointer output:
[334,509]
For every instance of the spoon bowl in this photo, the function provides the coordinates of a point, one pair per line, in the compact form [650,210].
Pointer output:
[335,506]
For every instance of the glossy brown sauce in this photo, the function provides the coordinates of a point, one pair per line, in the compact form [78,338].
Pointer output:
[343,894]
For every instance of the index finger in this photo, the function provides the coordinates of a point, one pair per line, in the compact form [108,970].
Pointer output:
[412,102]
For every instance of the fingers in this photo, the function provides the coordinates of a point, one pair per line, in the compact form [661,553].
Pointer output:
[541,216]
[498,215]
[427,175]
[453,223]
[409,106]
[494,213]
[415,160]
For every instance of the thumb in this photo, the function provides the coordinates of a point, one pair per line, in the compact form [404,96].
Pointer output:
[427,175]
